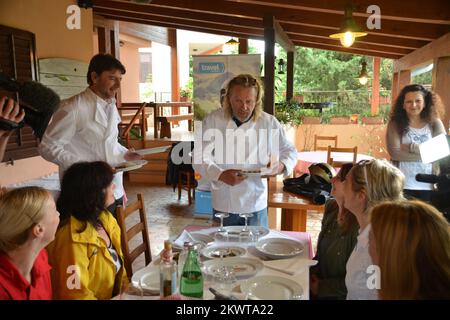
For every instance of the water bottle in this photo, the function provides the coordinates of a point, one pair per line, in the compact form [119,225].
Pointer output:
[191,284]
[182,259]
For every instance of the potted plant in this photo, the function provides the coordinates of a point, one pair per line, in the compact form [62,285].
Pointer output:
[310,116]
[339,116]
[369,118]
[185,94]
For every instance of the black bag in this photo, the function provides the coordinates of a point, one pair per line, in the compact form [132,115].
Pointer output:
[305,185]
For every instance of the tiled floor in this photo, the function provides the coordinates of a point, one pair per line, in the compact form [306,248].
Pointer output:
[167,216]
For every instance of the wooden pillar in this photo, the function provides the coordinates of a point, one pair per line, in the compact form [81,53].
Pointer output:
[394,90]
[290,75]
[172,37]
[375,103]
[114,40]
[103,43]
[243,46]
[269,65]
[441,85]
[404,79]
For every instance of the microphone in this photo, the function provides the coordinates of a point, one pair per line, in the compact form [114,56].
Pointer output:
[38,101]
[432,178]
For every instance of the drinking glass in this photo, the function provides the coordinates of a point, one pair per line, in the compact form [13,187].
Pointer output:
[221,233]
[245,234]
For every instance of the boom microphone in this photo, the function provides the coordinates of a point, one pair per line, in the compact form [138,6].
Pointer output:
[38,101]
[431,178]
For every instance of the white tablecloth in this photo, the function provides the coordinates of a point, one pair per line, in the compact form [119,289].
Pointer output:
[302,277]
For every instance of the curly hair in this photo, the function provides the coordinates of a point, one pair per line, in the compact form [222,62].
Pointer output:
[432,110]
[83,192]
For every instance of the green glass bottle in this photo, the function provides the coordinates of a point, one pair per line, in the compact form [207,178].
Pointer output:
[191,284]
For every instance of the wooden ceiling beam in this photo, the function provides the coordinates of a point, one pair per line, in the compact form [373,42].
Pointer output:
[434,12]
[237,30]
[350,50]
[408,29]
[164,14]
[183,27]
[358,44]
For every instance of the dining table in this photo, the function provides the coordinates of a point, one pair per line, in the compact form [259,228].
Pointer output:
[299,277]
[307,158]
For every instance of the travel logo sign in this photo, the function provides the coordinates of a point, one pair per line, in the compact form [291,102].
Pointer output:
[211,67]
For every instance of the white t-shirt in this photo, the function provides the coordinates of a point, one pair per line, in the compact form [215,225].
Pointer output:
[411,168]
[357,276]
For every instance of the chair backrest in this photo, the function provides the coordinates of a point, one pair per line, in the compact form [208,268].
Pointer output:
[139,115]
[127,235]
[325,138]
[335,164]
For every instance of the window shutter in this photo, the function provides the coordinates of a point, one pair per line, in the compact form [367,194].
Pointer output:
[18,60]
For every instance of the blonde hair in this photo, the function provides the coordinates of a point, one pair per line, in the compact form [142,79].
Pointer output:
[379,180]
[20,210]
[247,81]
[412,241]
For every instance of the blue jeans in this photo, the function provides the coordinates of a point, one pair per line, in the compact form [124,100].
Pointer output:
[259,218]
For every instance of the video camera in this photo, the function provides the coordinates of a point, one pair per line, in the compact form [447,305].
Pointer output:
[38,101]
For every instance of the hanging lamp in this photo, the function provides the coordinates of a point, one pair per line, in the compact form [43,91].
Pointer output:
[349,29]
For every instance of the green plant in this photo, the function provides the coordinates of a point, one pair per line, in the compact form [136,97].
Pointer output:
[185,92]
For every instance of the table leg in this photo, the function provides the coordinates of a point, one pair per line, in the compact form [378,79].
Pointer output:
[293,220]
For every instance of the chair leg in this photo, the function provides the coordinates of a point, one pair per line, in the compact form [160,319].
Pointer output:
[189,188]
[179,186]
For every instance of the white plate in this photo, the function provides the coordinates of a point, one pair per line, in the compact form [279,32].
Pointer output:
[279,248]
[251,173]
[130,165]
[243,267]
[148,278]
[233,231]
[143,152]
[226,251]
[271,288]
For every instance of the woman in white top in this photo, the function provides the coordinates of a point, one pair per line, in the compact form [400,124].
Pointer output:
[368,183]
[415,118]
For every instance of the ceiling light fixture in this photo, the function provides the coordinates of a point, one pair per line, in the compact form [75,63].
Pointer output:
[349,29]
[363,75]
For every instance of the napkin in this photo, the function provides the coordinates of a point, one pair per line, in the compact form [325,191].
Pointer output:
[185,236]
[290,266]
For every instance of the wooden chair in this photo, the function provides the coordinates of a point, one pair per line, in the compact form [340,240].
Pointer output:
[127,235]
[338,164]
[186,181]
[326,138]
[136,119]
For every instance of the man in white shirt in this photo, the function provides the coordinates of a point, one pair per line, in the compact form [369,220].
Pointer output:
[85,126]
[241,136]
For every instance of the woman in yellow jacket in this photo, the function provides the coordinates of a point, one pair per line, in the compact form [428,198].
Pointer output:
[86,254]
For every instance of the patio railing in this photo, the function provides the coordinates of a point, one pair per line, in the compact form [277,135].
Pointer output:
[345,102]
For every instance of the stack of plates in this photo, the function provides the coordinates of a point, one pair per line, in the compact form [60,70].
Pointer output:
[279,248]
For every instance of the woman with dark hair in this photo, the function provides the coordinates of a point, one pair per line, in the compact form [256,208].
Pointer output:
[86,254]
[415,118]
[337,239]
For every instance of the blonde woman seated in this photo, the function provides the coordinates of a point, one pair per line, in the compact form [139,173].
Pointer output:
[28,222]
[367,184]
[86,255]
[410,242]
[337,239]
